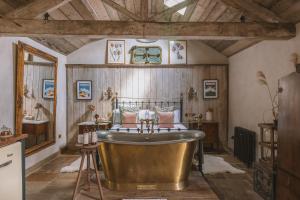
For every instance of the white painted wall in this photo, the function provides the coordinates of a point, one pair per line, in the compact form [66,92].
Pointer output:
[7,97]
[247,99]
[197,53]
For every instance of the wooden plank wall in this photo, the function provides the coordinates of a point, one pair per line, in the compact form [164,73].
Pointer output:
[33,78]
[153,82]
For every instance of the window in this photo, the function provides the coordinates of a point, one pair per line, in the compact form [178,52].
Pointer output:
[171,3]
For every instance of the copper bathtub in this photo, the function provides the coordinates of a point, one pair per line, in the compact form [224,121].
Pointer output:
[147,161]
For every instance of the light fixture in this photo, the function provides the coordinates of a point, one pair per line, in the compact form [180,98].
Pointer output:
[146,40]
[171,3]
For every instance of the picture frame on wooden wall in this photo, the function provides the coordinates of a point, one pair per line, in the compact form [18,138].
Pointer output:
[48,89]
[115,52]
[84,90]
[210,89]
[178,52]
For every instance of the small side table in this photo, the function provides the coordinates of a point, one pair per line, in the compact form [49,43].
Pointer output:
[90,126]
[87,151]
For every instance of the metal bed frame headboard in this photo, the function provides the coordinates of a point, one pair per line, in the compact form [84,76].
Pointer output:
[149,103]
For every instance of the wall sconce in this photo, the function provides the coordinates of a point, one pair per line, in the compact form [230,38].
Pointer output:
[91,108]
[25,91]
[192,93]
[108,93]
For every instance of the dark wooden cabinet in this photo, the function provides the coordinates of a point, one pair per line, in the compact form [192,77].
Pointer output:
[288,173]
[211,130]
[288,187]
[37,133]
[91,126]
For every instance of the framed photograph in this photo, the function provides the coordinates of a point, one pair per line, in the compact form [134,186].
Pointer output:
[116,51]
[210,89]
[48,89]
[84,90]
[178,52]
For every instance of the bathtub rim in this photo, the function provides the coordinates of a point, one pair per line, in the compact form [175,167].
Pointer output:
[195,136]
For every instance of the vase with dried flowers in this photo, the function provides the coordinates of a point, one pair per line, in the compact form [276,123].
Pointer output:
[92,109]
[262,79]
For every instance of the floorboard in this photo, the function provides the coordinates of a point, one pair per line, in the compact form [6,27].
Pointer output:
[48,183]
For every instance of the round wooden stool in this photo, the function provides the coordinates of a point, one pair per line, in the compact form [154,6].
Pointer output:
[87,151]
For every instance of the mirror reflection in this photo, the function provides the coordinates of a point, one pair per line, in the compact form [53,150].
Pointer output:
[38,101]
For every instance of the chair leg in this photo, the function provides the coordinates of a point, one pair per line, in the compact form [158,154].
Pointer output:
[79,176]
[88,170]
[97,175]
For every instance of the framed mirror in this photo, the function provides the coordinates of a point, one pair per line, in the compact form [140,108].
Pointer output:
[36,97]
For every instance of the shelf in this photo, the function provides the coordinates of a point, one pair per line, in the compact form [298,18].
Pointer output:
[138,65]
[266,125]
[268,145]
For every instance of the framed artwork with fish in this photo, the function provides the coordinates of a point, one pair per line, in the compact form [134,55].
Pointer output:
[145,55]
[115,51]
[84,90]
[48,89]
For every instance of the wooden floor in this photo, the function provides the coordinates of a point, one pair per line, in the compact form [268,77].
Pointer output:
[48,183]
[233,186]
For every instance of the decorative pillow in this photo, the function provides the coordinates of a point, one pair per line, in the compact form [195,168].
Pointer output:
[142,114]
[177,116]
[146,114]
[166,119]
[158,109]
[164,109]
[128,108]
[129,120]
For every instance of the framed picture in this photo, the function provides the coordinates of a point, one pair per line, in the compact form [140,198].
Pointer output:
[177,52]
[116,51]
[48,89]
[84,90]
[210,89]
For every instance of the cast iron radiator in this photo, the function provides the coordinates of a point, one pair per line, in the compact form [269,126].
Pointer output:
[244,145]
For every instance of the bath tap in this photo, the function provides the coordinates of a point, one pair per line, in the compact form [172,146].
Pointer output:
[152,127]
[142,129]
[150,131]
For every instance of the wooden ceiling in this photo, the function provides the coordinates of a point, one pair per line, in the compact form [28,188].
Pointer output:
[136,10]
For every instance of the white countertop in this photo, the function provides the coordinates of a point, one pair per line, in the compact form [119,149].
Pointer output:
[26,121]
[90,123]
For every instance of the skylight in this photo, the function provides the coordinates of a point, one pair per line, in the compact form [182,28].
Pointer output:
[171,3]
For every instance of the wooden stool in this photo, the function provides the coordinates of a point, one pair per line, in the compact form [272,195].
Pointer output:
[87,151]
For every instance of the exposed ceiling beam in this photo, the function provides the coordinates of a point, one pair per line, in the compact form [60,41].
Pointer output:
[144,10]
[239,46]
[122,10]
[36,8]
[190,30]
[170,11]
[254,10]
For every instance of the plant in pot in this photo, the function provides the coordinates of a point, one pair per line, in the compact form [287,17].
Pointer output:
[262,79]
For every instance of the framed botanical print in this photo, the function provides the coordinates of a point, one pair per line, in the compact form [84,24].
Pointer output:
[210,89]
[116,51]
[84,90]
[48,89]
[178,52]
